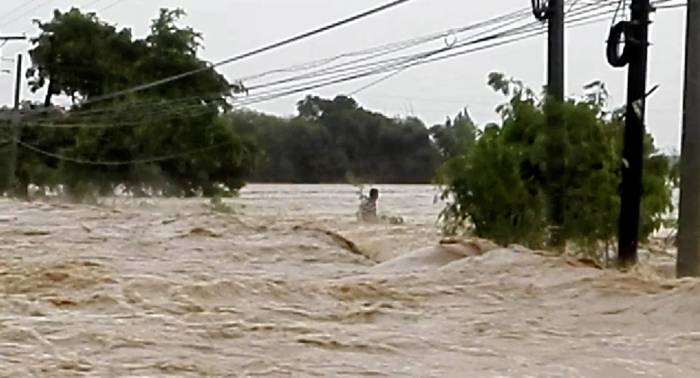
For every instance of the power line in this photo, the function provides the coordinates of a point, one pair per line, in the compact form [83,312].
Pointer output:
[339,68]
[372,69]
[313,74]
[27,12]
[404,63]
[376,82]
[472,40]
[378,51]
[391,47]
[91,3]
[582,21]
[124,162]
[412,60]
[110,6]
[159,104]
[274,95]
[394,46]
[290,91]
[258,51]
[15,9]
[187,111]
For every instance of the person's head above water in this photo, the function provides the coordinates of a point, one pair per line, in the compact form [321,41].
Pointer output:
[373,194]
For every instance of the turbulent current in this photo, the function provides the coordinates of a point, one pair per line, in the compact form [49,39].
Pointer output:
[284,282]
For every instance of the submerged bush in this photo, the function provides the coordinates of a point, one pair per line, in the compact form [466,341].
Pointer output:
[501,187]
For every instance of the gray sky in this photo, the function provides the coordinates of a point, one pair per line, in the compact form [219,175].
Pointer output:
[431,92]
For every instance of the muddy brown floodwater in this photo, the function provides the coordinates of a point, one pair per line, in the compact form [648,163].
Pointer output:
[291,285]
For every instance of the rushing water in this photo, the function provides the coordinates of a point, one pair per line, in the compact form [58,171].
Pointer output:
[290,284]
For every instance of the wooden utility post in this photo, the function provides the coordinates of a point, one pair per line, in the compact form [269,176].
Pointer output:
[688,264]
[636,37]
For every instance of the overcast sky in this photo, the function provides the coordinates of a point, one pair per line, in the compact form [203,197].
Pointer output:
[431,92]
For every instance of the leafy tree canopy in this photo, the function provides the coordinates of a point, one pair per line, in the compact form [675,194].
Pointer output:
[332,140]
[79,56]
[498,187]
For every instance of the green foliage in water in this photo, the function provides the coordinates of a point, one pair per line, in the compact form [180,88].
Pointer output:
[498,187]
[180,124]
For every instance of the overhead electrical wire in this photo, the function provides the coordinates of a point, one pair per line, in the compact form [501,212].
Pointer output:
[376,82]
[25,13]
[161,103]
[258,51]
[91,3]
[536,30]
[111,5]
[403,59]
[581,21]
[384,49]
[95,123]
[372,67]
[326,71]
[187,111]
[120,163]
[340,68]
[392,47]
[402,44]
[17,8]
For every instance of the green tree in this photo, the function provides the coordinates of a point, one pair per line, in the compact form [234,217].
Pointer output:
[499,187]
[80,56]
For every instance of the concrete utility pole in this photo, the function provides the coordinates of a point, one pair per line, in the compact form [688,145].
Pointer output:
[636,36]
[688,264]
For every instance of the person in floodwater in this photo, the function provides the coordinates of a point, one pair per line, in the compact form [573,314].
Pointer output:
[368,206]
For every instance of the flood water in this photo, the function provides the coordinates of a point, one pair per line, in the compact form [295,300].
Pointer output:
[284,282]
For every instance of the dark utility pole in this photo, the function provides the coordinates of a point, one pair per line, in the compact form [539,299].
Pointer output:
[15,131]
[555,122]
[636,37]
[553,12]
[10,153]
[555,43]
[18,82]
[688,263]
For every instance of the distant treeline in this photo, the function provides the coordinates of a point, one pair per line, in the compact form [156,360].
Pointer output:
[338,141]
